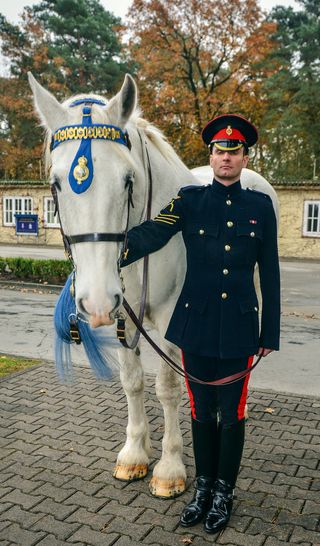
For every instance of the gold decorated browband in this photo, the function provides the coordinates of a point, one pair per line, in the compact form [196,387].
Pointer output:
[94,131]
[82,168]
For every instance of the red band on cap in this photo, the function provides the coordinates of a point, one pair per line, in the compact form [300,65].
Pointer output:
[228,134]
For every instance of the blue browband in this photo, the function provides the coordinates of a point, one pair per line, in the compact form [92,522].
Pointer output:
[88,100]
[81,171]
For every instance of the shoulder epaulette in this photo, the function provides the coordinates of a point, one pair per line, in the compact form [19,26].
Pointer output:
[259,193]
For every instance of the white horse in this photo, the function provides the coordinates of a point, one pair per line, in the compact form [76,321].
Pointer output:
[102,208]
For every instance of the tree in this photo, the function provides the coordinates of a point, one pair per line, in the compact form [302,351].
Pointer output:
[198,59]
[86,38]
[20,135]
[71,46]
[293,120]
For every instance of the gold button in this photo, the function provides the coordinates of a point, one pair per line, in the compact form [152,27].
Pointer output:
[186,305]
[228,202]
[252,234]
[201,231]
[227,248]
[226,271]
[256,308]
[230,224]
[224,295]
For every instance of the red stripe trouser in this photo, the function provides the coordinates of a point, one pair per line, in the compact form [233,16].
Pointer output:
[207,401]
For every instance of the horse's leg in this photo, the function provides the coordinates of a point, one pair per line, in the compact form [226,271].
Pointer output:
[133,459]
[169,474]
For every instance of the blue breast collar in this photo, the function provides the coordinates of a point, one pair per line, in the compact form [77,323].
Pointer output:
[81,170]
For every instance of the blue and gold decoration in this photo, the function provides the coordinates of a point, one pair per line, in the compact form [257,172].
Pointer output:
[81,171]
[99,345]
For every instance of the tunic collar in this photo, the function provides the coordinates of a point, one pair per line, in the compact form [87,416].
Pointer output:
[225,191]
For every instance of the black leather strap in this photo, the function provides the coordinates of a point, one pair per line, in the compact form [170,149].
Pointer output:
[121,322]
[94,238]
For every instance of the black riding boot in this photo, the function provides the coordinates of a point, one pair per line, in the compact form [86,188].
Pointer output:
[231,447]
[206,449]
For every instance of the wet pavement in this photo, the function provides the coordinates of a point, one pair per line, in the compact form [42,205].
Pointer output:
[26,329]
[59,445]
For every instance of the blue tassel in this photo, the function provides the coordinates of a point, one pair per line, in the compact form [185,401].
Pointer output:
[99,345]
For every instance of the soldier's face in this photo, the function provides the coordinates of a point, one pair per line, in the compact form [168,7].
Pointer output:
[227,166]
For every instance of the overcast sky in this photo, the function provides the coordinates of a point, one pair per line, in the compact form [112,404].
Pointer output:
[12,8]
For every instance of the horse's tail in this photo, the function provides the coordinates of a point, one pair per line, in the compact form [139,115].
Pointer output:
[98,345]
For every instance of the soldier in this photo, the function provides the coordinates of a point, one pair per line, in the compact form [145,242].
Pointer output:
[226,230]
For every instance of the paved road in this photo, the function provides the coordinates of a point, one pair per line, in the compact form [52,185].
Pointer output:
[30,251]
[59,443]
[26,329]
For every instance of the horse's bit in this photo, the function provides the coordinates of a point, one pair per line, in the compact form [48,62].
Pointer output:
[80,178]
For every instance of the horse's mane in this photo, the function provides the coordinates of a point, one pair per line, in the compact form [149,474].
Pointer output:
[159,140]
[136,122]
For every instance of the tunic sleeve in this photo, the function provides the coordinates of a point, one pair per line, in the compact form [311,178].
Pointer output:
[268,261]
[152,235]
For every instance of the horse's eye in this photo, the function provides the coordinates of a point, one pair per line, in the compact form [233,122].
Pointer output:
[56,183]
[129,179]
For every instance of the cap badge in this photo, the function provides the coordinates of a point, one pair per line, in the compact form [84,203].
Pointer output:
[229,130]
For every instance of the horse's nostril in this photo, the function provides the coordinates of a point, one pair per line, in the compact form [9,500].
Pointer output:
[118,300]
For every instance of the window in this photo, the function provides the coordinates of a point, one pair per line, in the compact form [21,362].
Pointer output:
[50,220]
[15,205]
[311,222]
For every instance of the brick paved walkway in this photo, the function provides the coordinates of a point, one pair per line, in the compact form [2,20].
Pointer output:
[58,445]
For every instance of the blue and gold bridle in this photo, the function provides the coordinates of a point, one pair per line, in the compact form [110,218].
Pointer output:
[80,178]
[81,170]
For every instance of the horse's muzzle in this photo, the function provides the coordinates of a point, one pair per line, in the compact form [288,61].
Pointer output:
[99,317]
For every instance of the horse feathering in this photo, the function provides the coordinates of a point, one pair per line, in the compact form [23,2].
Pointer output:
[97,344]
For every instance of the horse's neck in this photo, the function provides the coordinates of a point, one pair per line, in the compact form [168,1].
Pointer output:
[168,176]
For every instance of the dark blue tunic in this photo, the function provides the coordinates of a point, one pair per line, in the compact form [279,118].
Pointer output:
[226,230]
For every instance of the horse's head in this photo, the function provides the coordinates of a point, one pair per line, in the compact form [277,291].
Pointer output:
[91,167]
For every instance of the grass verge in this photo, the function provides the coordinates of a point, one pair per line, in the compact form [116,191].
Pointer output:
[12,364]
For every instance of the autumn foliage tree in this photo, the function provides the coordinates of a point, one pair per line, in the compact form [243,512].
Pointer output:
[71,46]
[25,46]
[292,122]
[198,59]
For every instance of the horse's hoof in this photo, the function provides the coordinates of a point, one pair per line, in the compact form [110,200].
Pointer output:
[166,489]
[130,472]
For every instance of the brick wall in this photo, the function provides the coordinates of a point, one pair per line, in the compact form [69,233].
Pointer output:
[37,191]
[292,242]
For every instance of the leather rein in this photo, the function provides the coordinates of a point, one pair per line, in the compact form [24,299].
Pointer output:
[69,240]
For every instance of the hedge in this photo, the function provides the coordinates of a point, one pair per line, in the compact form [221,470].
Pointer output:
[42,271]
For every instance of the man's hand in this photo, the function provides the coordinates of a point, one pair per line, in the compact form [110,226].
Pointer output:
[264,352]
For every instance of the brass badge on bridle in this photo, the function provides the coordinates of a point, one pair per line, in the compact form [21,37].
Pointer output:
[81,171]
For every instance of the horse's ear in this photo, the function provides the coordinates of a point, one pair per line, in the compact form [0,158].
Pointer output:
[51,112]
[125,102]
